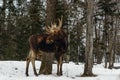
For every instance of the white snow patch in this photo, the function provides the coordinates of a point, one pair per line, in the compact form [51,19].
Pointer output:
[15,70]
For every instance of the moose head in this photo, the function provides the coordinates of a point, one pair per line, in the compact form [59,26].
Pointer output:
[53,30]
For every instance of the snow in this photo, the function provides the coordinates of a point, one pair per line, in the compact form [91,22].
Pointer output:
[1,3]
[15,70]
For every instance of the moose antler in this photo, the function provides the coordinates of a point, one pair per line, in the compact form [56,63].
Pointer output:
[50,29]
[54,28]
[60,22]
[47,29]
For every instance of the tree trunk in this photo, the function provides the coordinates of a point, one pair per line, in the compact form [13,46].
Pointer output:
[46,65]
[97,46]
[79,29]
[106,36]
[112,37]
[110,49]
[51,12]
[89,40]
[47,58]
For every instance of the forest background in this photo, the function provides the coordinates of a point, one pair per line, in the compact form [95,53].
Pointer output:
[21,18]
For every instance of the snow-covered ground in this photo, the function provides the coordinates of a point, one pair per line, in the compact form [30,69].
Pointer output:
[15,70]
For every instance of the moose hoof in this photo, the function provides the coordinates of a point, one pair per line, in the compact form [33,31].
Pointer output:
[36,74]
[59,74]
[27,75]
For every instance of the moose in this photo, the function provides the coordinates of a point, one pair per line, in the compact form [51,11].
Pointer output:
[54,40]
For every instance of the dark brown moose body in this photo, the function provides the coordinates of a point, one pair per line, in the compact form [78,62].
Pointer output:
[41,42]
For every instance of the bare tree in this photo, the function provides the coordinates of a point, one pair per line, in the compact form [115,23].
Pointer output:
[112,35]
[89,40]
[46,66]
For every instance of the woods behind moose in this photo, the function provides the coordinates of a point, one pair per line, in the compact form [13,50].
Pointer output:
[54,40]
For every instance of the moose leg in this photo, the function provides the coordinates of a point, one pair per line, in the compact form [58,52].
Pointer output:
[33,56]
[27,66]
[59,66]
[61,62]
[58,63]
[33,65]
[28,62]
